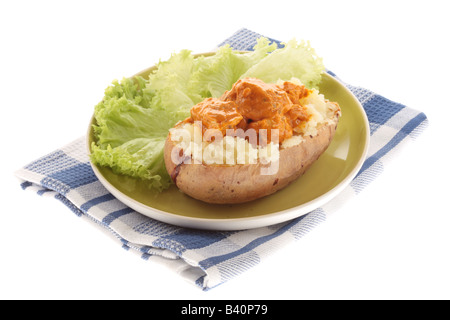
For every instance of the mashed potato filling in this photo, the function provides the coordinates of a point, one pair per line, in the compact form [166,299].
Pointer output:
[252,122]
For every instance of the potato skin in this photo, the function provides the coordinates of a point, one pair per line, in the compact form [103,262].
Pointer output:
[226,184]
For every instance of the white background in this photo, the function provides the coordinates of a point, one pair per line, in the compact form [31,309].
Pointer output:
[56,59]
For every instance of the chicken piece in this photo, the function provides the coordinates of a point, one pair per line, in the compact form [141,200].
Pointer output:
[257,100]
[297,117]
[216,114]
[295,92]
[278,128]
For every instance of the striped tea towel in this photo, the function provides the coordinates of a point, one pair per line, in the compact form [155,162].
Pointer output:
[209,258]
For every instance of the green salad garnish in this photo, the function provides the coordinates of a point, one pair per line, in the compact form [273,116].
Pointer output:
[134,117]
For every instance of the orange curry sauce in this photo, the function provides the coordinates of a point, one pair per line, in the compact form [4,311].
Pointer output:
[253,104]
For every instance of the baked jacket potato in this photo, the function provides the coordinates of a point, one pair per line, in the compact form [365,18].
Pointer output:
[251,142]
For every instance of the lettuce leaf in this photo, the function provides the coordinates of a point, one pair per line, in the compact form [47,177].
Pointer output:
[135,115]
[220,71]
[174,77]
[296,59]
[130,134]
[141,158]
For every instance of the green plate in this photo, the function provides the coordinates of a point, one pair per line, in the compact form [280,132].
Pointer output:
[326,178]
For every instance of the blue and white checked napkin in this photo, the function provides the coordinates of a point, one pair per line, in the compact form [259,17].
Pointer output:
[210,258]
